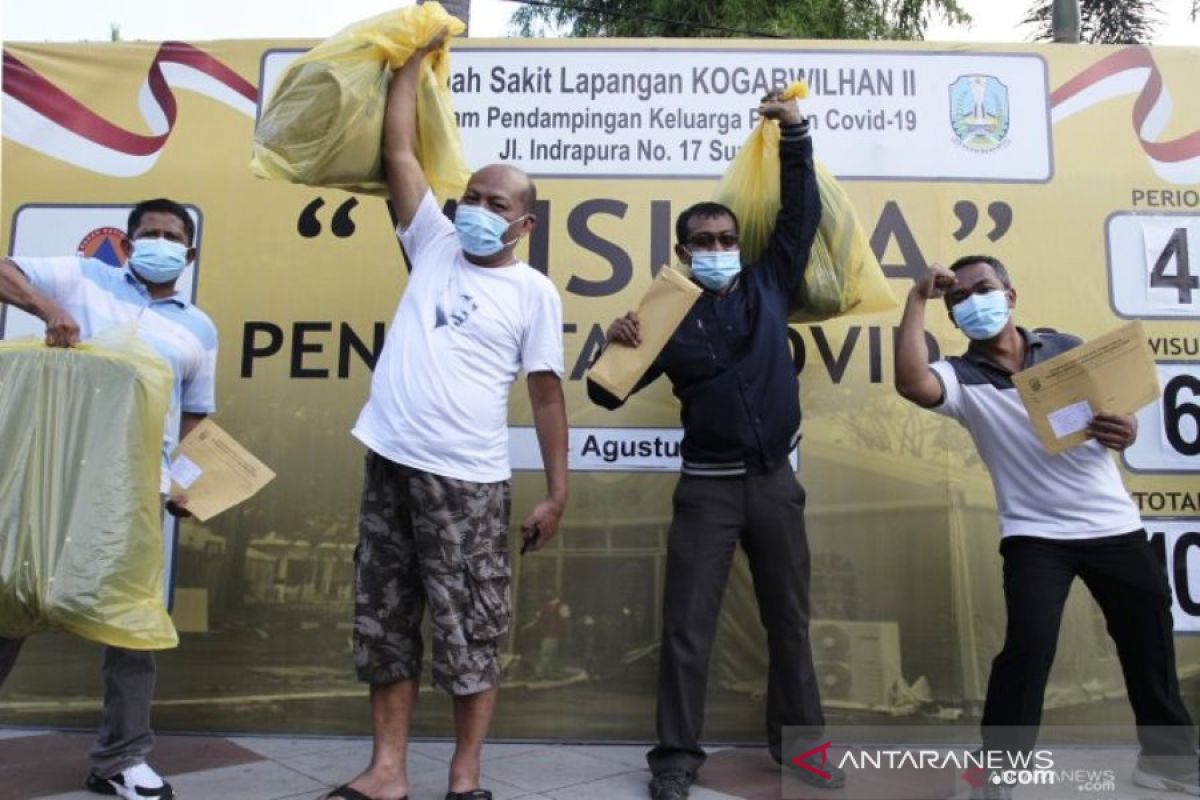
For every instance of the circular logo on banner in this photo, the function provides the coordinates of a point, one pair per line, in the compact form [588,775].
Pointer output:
[979,112]
[104,244]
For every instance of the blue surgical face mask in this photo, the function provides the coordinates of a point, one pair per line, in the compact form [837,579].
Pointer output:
[714,269]
[158,260]
[982,316]
[481,232]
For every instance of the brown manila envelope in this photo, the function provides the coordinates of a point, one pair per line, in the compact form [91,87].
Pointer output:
[214,471]
[1114,373]
[670,296]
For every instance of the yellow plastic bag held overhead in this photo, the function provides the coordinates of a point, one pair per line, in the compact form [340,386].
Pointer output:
[81,431]
[323,125]
[843,275]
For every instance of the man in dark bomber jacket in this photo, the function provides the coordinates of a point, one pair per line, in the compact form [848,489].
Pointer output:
[730,365]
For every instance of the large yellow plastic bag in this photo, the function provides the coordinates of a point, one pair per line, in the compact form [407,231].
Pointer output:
[323,125]
[843,276]
[81,432]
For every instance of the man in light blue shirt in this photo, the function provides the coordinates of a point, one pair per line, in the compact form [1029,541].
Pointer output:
[78,298]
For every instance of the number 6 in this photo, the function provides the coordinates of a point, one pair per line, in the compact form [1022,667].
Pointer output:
[1174,413]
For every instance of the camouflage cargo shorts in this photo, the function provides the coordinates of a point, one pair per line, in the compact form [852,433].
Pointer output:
[424,539]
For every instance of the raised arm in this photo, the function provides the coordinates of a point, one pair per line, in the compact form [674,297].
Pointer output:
[405,179]
[15,289]
[550,423]
[800,204]
[914,380]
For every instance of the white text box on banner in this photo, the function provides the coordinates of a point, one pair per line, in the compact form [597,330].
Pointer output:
[1169,429]
[647,112]
[607,449]
[1153,260]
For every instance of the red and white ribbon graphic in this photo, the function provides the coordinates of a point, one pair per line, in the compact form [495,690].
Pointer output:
[1133,71]
[43,117]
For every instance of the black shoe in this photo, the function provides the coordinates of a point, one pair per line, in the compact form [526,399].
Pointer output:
[836,779]
[671,785]
[98,785]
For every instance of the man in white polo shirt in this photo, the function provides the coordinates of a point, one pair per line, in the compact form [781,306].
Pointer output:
[78,298]
[433,524]
[1061,516]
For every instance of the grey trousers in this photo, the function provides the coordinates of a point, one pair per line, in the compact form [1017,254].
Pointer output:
[125,737]
[711,515]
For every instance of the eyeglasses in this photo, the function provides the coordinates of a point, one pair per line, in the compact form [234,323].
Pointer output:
[707,241]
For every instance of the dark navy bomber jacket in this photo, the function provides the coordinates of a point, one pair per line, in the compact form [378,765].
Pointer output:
[729,361]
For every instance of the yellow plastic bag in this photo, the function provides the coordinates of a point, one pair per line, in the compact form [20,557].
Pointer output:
[843,276]
[81,430]
[324,123]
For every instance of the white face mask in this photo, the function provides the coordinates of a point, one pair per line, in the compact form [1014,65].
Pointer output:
[157,260]
[480,231]
[982,316]
[714,269]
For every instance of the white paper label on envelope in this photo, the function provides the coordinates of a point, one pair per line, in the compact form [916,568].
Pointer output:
[185,472]
[1070,419]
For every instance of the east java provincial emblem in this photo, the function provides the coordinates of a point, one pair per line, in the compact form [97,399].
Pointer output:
[979,112]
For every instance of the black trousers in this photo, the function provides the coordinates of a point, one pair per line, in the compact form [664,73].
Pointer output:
[1130,584]
[711,515]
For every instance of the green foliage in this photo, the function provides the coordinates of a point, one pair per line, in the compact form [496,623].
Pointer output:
[806,19]
[1104,21]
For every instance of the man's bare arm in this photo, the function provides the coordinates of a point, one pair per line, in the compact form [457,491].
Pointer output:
[15,289]
[550,422]
[405,179]
[914,380]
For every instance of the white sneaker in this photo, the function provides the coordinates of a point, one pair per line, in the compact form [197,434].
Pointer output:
[1149,778]
[138,782]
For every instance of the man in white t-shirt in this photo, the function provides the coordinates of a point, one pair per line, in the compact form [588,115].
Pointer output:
[433,527]
[1061,516]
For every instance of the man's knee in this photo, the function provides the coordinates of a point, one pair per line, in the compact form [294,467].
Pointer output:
[468,670]
[1031,653]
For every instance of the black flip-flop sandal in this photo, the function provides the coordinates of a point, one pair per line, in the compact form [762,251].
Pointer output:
[346,793]
[474,794]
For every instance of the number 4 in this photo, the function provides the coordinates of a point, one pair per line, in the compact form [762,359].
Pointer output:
[1177,248]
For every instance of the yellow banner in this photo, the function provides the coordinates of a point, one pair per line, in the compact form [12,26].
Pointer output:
[1078,167]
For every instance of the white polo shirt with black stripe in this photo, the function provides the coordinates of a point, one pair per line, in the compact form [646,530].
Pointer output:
[1077,494]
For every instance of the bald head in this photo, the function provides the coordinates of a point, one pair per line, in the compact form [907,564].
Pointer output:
[507,182]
